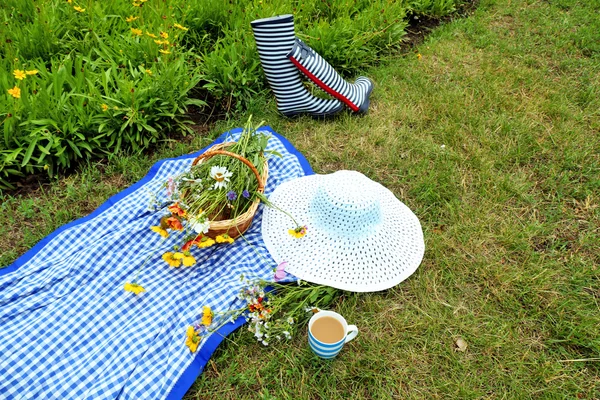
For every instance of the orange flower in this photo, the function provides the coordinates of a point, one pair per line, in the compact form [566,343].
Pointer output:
[176,210]
[190,243]
[174,223]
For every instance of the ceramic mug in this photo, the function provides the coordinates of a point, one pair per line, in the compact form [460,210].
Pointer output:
[330,350]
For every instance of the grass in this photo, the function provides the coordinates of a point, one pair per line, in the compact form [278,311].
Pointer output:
[492,138]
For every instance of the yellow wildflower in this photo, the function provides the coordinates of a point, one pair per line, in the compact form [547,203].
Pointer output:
[159,42]
[136,32]
[78,9]
[173,259]
[298,232]
[131,18]
[152,35]
[183,28]
[188,259]
[419,56]
[19,74]
[207,316]
[15,92]
[135,4]
[104,108]
[149,72]
[134,288]
[224,238]
[164,51]
[164,35]
[192,340]
[70,1]
[205,242]
[32,72]
[162,232]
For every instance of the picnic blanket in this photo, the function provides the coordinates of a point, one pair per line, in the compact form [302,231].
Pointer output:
[68,330]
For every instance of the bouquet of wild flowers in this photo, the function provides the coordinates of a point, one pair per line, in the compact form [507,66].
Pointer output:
[274,311]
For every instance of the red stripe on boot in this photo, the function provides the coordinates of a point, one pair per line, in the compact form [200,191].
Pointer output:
[323,85]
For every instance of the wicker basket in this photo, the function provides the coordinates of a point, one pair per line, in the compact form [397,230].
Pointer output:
[237,226]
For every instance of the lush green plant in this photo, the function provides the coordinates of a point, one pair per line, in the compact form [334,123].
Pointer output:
[107,80]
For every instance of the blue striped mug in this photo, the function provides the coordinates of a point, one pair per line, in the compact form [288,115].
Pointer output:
[328,347]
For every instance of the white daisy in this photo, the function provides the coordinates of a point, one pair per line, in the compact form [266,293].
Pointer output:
[221,175]
[199,226]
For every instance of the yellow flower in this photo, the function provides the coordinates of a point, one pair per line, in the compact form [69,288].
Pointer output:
[15,92]
[152,35]
[207,316]
[78,9]
[159,42]
[104,108]
[19,74]
[136,4]
[206,242]
[188,259]
[192,340]
[224,238]
[134,288]
[149,72]
[173,259]
[164,35]
[131,18]
[298,232]
[69,1]
[419,56]
[162,232]
[164,51]
[32,72]
[183,28]
[136,32]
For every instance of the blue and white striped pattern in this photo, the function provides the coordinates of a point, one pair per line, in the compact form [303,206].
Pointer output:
[325,350]
[355,96]
[68,330]
[274,39]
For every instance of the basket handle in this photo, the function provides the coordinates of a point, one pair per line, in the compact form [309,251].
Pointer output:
[211,153]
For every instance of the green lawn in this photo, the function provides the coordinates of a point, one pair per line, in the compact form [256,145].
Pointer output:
[492,138]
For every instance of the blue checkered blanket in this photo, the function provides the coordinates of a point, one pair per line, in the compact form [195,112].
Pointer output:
[68,330]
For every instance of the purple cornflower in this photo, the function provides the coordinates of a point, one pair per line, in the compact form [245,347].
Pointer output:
[246,194]
[231,195]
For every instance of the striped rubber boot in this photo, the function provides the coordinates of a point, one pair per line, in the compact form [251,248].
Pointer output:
[355,96]
[275,38]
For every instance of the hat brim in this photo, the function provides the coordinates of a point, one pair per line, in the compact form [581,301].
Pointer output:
[379,261]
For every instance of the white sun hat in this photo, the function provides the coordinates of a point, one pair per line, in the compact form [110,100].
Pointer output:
[359,236]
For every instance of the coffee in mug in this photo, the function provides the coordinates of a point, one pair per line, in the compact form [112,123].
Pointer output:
[328,331]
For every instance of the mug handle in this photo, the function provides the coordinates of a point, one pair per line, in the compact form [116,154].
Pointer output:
[352,332]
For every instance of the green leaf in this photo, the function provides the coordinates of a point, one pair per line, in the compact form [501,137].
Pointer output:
[29,152]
